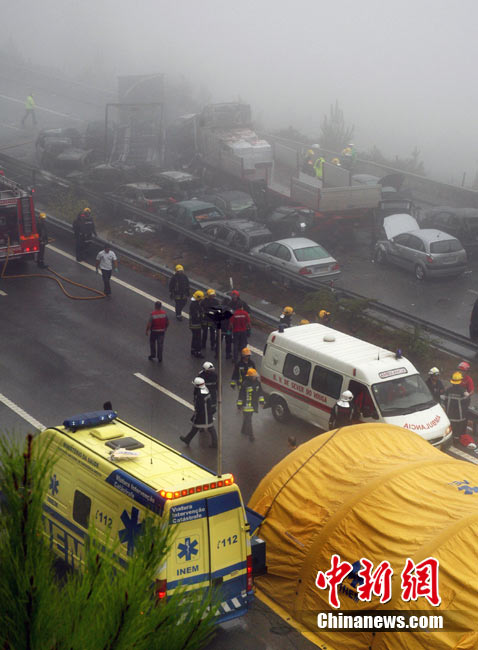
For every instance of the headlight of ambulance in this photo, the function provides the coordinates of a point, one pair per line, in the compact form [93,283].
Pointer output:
[448,430]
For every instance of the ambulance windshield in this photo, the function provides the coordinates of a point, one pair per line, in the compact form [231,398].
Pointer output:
[402,396]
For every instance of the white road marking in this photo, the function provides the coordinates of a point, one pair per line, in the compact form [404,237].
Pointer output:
[10,126]
[19,411]
[41,108]
[164,390]
[126,285]
[472,291]
[2,293]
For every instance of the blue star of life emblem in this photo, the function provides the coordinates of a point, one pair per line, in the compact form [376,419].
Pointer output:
[132,528]
[54,483]
[187,549]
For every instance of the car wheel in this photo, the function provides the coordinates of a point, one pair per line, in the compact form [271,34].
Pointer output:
[280,410]
[420,272]
[380,256]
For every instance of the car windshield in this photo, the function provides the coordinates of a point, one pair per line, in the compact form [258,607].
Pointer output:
[402,396]
[310,253]
[152,194]
[445,246]
[209,214]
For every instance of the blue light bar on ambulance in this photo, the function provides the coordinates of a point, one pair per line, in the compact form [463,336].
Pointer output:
[89,419]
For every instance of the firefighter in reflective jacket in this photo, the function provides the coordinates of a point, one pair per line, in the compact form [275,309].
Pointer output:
[43,235]
[156,328]
[179,289]
[84,230]
[195,322]
[250,396]
[241,367]
[203,417]
[241,328]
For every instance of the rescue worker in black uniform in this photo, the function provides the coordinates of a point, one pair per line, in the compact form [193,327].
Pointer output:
[250,396]
[43,236]
[285,319]
[232,303]
[456,405]
[435,384]
[209,325]
[342,412]
[179,289]
[241,367]
[209,374]
[203,417]
[84,230]
[195,323]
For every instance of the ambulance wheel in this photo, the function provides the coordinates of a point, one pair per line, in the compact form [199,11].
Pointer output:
[280,410]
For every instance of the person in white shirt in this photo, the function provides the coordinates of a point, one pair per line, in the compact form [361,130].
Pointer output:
[106,260]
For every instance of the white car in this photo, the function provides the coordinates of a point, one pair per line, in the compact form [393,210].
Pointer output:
[299,255]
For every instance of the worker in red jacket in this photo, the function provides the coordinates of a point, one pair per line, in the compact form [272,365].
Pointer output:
[156,328]
[464,368]
[241,328]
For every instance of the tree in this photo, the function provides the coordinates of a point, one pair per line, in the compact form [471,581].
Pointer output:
[100,608]
[335,135]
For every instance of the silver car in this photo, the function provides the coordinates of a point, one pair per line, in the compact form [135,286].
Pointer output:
[299,255]
[427,252]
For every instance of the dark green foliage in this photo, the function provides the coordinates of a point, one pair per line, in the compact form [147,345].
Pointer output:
[101,608]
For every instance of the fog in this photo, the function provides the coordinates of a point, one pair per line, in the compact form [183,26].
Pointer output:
[401,70]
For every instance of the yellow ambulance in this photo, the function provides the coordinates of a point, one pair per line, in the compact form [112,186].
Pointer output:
[113,474]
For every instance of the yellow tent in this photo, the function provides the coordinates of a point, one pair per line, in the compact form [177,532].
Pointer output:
[379,492]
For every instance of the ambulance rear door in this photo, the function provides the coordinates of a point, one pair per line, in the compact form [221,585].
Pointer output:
[228,552]
[188,561]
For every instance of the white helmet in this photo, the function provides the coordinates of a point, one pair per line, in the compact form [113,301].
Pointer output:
[434,371]
[315,146]
[199,382]
[207,365]
[345,399]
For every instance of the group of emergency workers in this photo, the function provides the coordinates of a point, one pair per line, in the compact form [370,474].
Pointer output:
[313,160]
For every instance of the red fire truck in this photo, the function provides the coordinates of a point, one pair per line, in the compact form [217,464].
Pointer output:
[18,230]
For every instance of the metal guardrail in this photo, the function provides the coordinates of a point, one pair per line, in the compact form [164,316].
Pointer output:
[446,339]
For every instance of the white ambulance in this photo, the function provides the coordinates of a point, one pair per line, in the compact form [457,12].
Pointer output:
[113,474]
[305,369]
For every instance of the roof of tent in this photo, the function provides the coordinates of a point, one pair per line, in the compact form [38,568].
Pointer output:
[371,491]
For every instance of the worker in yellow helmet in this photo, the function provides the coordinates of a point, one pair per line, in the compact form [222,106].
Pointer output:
[208,325]
[285,319]
[43,240]
[195,323]
[241,367]
[179,289]
[304,321]
[456,405]
[335,161]
[250,396]
[324,317]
